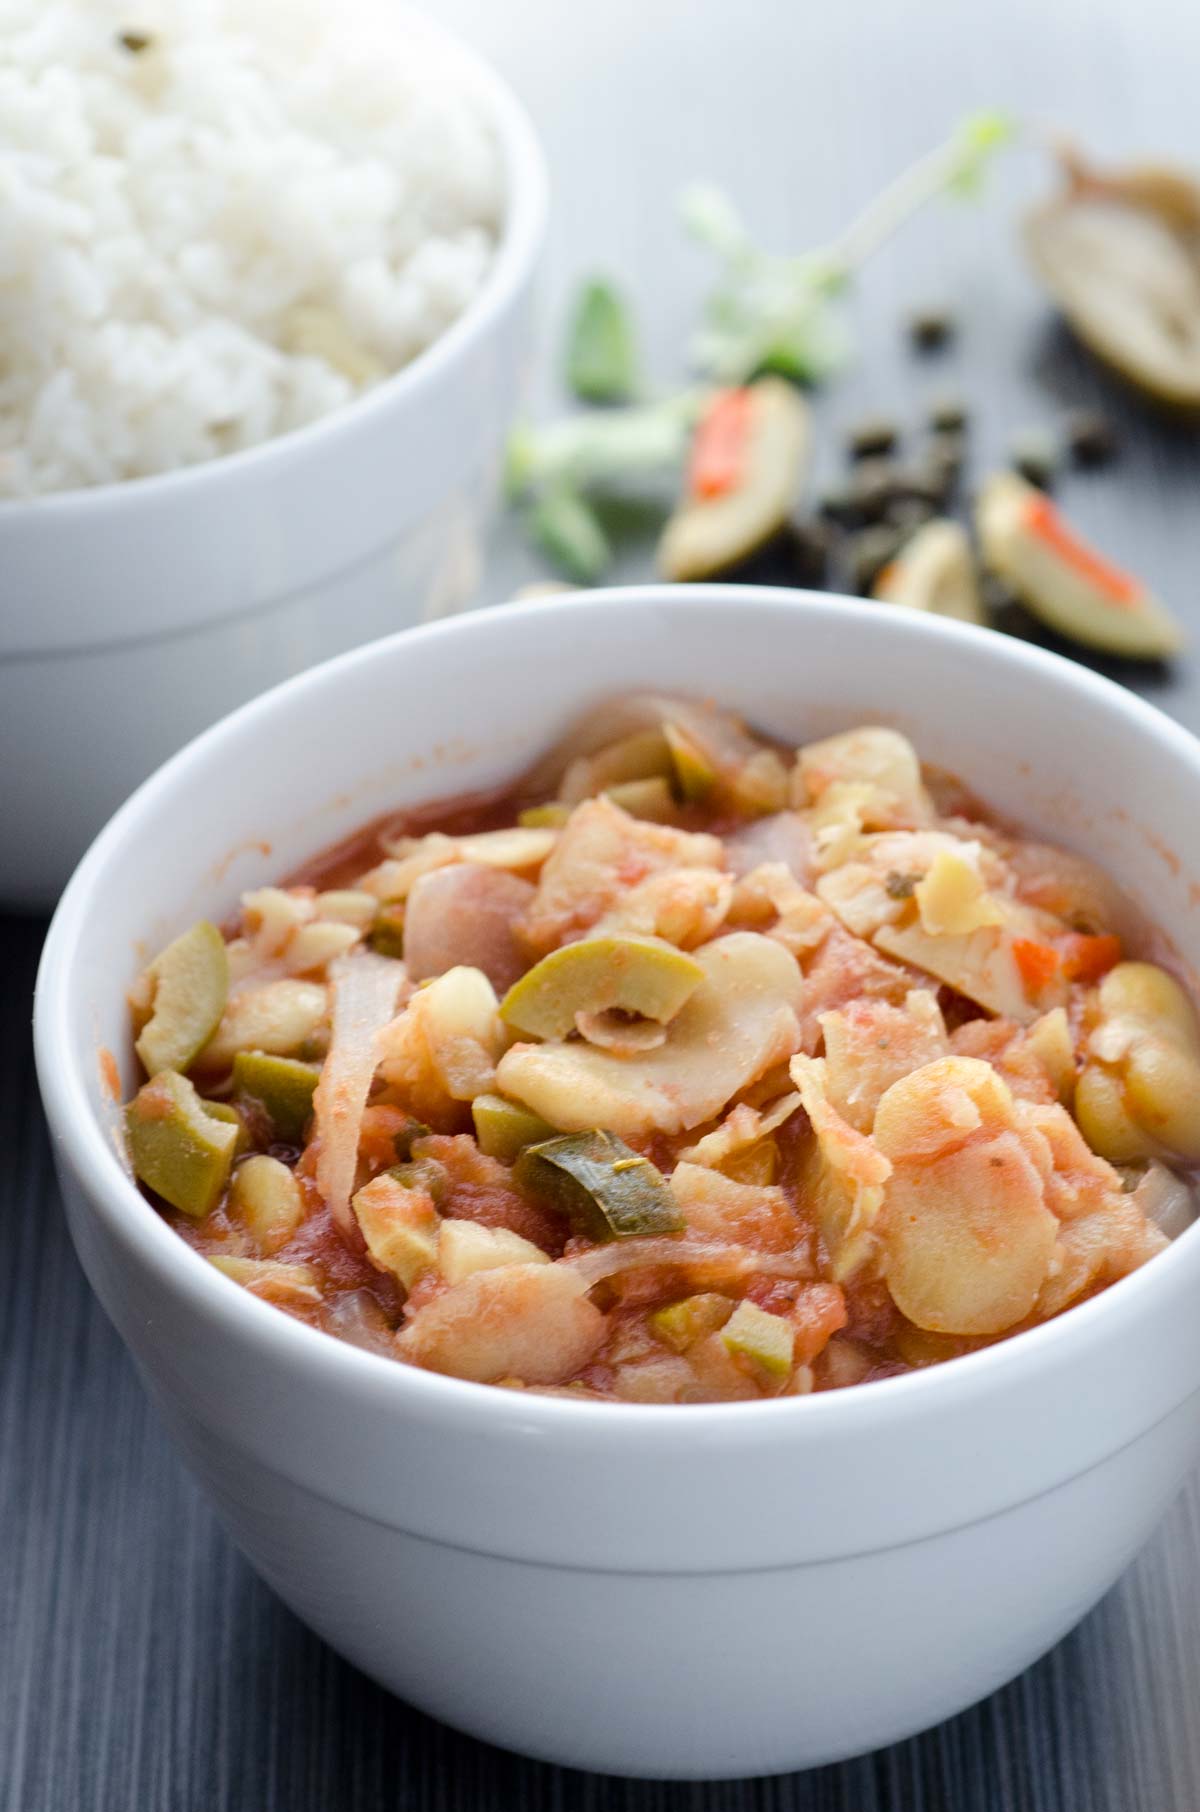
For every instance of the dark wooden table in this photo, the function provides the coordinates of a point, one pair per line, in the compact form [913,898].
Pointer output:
[142,1666]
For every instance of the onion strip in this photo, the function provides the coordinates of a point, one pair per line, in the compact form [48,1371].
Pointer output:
[365,990]
[731,1260]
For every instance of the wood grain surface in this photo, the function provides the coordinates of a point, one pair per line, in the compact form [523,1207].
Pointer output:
[142,1666]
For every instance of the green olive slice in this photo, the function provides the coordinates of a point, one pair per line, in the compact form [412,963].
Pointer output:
[504,1128]
[934,571]
[190,979]
[1065,582]
[694,772]
[651,800]
[709,534]
[177,1148]
[642,975]
[282,1087]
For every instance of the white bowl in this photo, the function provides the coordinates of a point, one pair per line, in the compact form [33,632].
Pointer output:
[707,1591]
[136,614]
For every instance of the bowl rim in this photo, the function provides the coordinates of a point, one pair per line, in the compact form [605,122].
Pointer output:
[85,1144]
[526,205]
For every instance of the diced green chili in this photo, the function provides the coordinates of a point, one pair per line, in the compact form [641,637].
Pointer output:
[602,1187]
[766,1341]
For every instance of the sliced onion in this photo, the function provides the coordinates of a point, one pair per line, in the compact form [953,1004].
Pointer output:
[358,1318]
[731,1260]
[465,915]
[781,837]
[365,990]
[1167,1199]
[719,736]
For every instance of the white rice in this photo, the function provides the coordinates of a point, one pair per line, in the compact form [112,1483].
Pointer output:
[214,239]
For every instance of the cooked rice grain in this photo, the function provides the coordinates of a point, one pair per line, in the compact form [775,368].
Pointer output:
[220,220]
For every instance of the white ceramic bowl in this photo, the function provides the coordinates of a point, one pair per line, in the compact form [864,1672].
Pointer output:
[134,615]
[707,1591]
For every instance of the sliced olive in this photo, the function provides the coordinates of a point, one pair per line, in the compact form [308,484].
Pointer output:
[1064,581]
[639,975]
[643,755]
[282,1086]
[719,524]
[767,1342]
[190,981]
[694,772]
[680,1324]
[180,1151]
[232,1116]
[606,1190]
[651,800]
[934,572]
[504,1128]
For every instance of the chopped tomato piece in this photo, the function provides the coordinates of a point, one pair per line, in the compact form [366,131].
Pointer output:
[1038,963]
[720,444]
[1086,958]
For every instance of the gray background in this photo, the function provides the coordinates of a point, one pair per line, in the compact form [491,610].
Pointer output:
[142,1667]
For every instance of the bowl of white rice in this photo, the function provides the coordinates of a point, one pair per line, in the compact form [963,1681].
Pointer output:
[266,282]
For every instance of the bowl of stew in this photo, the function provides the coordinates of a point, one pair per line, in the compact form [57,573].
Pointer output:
[643,1147]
